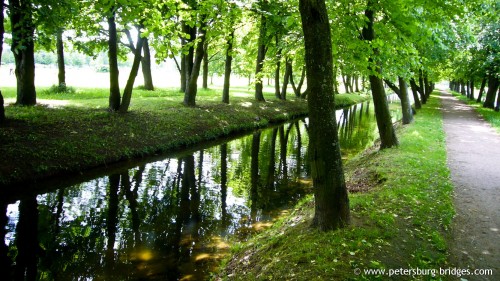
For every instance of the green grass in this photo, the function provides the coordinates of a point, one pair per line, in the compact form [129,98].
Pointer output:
[73,131]
[400,223]
[488,114]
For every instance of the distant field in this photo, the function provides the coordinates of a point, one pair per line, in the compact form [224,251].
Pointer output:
[88,77]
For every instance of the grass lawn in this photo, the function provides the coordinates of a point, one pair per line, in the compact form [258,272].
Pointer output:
[70,132]
[400,222]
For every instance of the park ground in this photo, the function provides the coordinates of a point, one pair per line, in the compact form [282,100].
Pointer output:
[67,133]
[403,221]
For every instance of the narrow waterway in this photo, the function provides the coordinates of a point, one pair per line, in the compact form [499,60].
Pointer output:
[169,219]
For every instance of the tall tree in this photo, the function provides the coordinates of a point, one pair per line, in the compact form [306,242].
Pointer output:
[384,122]
[331,200]
[61,76]
[114,83]
[146,66]
[23,47]
[261,52]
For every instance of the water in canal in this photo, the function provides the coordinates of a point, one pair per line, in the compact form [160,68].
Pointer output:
[169,219]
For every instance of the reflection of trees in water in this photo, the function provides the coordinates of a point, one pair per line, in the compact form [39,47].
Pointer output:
[27,240]
[155,220]
[356,129]
[5,262]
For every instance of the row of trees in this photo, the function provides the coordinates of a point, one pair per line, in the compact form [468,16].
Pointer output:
[478,62]
[408,41]
[262,35]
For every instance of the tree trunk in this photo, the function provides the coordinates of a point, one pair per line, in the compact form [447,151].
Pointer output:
[261,54]
[277,71]
[60,59]
[23,29]
[127,92]
[188,58]
[421,87]
[114,84]
[462,89]
[405,102]
[192,84]
[146,66]
[382,114]
[414,90]
[402,93]
[481,90]
[205,66]
[493,84]
[356,82]
[286,77]
[429,87]
[330,192]
[227,68]
[297,89]
[183,73]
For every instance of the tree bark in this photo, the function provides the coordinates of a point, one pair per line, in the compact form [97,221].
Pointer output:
[205,66]
[227,68]
[421,87]
[414,91]
[23,29]
[127,92]
[2,109]
[330,192]
[481,90]
[402,93]
[146,66]
[188,59]
[493,84]
[286,78]
[192,84]
[405,102]
[60,59]
[261,54]
[384,122]
[114,84]
[297,89]
[277,70]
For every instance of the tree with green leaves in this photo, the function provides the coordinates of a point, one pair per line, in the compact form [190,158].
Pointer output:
[330,192]
[384,122]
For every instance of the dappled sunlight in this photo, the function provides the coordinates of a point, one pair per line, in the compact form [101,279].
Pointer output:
[245,104]
[240,94]
[202,256]
[416,134]
[259,226]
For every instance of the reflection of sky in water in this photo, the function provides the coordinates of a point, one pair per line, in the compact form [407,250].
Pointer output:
[249,204]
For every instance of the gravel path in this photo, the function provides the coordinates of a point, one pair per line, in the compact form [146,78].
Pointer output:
[473,148]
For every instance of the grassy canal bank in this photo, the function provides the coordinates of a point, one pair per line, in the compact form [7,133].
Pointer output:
[399,220]
[71,132]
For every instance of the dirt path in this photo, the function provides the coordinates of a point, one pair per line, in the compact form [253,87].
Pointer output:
[473,148]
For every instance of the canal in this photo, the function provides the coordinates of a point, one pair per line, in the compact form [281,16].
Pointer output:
[172,218]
